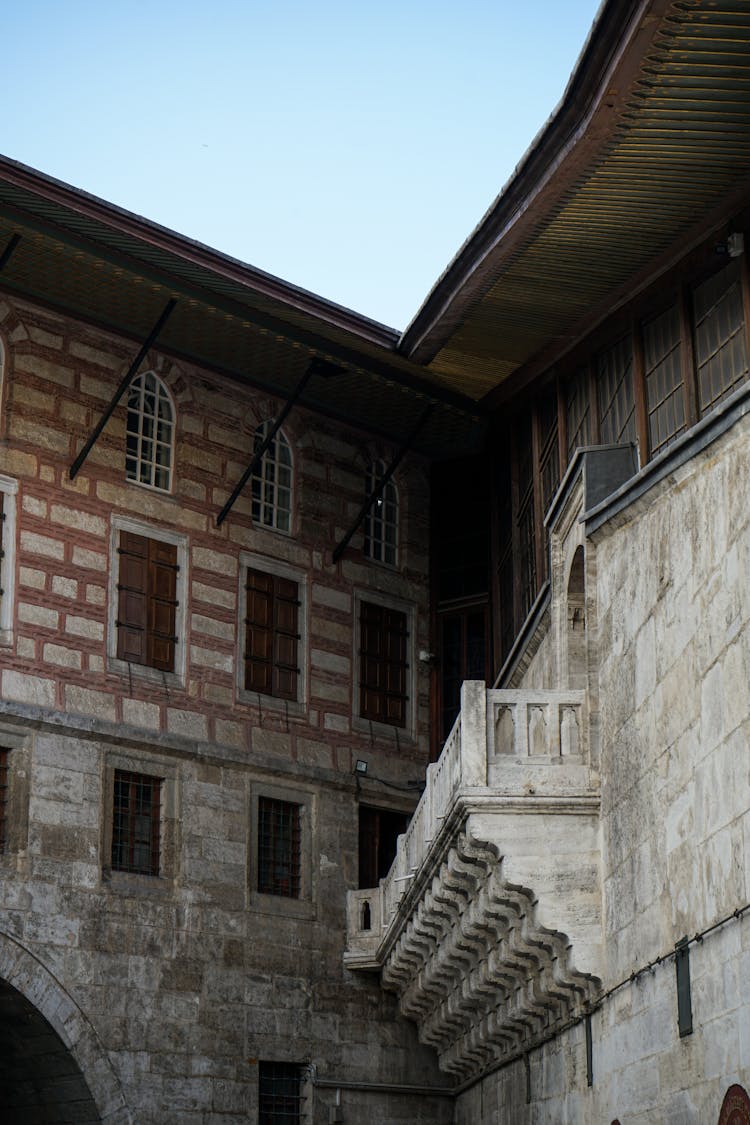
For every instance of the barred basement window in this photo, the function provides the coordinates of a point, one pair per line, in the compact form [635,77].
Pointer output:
[271,635]
[381,522]
[150,433]
[147,601]
[279,848]
[4,756]
[135,823]
[279,1093]
[272,482]
[614,376]
[383,637]
[720,353]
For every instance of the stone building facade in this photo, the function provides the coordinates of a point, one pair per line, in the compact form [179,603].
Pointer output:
[264,560]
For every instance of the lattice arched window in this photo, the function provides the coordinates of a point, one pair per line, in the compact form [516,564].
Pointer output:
[381,521]
[150,433]
[272,482]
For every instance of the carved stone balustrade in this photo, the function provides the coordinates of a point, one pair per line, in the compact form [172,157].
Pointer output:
[488,925]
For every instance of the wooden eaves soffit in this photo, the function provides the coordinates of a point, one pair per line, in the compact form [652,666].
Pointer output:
[102,265]
[646,155]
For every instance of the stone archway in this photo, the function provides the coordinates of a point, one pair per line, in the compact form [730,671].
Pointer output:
[51,1061]
[735,1109]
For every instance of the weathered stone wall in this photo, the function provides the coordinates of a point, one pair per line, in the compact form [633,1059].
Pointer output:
[188,979]
[672,668]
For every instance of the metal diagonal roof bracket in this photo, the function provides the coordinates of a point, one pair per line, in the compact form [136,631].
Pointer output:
[74,468]
[378,491]
[7,252]
[316,366]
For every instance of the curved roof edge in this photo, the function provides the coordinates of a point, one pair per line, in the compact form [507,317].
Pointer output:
[470,272]
[109,215]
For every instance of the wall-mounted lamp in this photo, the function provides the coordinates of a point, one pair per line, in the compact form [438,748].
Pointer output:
[360,768]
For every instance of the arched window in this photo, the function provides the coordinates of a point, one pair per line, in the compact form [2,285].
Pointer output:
[272,482]
[150,432]
[381,522]
[577,621]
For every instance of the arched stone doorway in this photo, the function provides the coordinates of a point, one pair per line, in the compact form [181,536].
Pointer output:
[52,1066]
[39,1078]
[735,1109]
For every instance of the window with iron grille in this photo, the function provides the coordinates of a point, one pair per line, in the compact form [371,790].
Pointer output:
[720,352]
[272,482]
[147,601]
[383,665]
[272,634]
[136,823]
[4,763]
[279,1093]
[662,368]
[614,377]
[381,521]
[150,433]
[279,847]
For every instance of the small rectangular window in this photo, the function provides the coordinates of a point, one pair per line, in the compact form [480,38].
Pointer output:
[271,635]
[279,1093]
[279,848]
[147,601]
[383,638]
[136,823]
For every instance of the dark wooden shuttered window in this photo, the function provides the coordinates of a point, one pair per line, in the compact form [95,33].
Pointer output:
[614,378]
[271,635]
[578,412]
[279,847]
[720,353]
[135,823]
[662,368]
[383,665]
[147,602]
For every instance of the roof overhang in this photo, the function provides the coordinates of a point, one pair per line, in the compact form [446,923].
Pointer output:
[93,261]
[648,148]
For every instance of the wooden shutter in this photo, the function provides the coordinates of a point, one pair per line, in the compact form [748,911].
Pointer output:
[147,602]
[383,664]
[271,635]
[162,604]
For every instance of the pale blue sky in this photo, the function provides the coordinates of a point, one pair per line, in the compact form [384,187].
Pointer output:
[349,148]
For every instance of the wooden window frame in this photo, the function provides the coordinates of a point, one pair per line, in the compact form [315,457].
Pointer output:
[266,490]
[278,574]
[302,903]
[127,823]
[163,643]
[376,678]
[143,465]
[279,847]
[382,518]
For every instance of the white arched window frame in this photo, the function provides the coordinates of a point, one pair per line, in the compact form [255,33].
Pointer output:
[272,482]
[150,433]
[381,521]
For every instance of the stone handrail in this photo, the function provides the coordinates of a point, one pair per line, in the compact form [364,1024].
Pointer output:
[494,730]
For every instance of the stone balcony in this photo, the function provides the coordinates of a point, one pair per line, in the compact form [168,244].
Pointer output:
[488,925]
